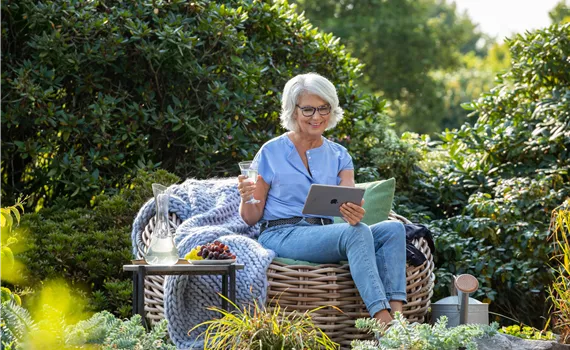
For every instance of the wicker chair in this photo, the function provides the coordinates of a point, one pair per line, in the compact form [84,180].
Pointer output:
[305,287]
[302,287]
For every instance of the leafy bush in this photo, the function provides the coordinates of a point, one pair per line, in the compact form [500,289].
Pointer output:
[403,335]
[102,331]
[108,332]
[40,322]
[96,90]
[88,247]
[9,220]
[503,177]
[16,323]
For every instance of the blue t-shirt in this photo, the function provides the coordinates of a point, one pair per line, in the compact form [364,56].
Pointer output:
[280,166]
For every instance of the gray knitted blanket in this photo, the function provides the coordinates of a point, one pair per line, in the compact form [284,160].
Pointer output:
[209,211]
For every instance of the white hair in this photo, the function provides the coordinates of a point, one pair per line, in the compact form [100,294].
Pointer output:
[310,83]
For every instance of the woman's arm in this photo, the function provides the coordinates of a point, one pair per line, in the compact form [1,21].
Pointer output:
[346,178]
[252,213]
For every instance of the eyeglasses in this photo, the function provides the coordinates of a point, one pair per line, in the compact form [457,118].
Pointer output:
[310,111]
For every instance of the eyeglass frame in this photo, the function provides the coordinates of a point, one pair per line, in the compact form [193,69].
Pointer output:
[315,109]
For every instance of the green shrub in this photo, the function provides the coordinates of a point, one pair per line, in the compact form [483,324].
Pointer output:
[88,247]
[94,91]
[102,331]
[10,240]
[503,177]
[107,332]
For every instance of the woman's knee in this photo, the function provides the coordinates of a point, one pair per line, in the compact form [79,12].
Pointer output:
[391,230]
[359,232]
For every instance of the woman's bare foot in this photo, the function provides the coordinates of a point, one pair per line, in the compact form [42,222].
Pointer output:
[383,316]
[396,306]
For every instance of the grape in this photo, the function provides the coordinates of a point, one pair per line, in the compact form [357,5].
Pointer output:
[215,251]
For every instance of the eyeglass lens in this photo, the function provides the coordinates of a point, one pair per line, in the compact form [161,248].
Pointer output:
[310,111]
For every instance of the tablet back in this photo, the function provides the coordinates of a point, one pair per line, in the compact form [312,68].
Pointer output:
[325,200]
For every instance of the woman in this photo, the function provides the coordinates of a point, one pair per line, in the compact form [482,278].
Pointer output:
[287,167]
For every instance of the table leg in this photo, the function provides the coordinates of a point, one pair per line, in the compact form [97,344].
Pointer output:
[232,295]
[225,291]
[140,294]
[135,293]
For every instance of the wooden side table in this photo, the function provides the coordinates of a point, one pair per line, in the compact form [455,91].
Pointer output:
[228,273]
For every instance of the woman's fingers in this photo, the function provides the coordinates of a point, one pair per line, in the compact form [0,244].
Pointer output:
[353,209]
[352,213]
[246,187]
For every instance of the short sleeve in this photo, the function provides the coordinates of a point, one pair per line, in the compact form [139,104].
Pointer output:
[263,166]
[344,160]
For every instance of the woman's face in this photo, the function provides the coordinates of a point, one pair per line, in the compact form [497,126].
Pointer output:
[316,124]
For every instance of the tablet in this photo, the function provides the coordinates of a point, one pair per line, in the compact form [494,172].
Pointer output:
[325,200]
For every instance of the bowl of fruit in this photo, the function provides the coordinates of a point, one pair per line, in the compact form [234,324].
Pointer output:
[215,253]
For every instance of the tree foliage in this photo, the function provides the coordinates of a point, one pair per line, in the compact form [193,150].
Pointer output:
[560,13]
[465,84]
[94,90]
[400,43]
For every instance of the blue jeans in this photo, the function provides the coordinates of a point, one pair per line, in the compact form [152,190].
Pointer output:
[376,254]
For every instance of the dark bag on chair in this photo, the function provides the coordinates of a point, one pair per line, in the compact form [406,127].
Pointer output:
[413,255]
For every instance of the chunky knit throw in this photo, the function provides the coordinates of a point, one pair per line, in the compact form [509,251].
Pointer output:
[209,211]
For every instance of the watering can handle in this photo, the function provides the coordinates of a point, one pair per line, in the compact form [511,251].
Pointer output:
[466,283]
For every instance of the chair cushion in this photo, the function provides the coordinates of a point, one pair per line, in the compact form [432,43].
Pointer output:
[378,200]
[288,261]
[293,262]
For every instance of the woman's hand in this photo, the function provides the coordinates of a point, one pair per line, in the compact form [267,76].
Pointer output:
[246,187]
[352,213]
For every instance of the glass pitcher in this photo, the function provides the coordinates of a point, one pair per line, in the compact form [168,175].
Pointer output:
[162,250]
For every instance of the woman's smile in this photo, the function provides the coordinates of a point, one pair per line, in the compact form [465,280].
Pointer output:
[316,125]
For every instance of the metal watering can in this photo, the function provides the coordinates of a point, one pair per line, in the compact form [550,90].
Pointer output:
[460,309]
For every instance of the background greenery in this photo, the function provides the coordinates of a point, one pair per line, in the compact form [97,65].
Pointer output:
[99,95]
[408,48]
[96,90]
[502,177]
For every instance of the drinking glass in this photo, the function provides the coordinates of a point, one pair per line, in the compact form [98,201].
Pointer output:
[251,174]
